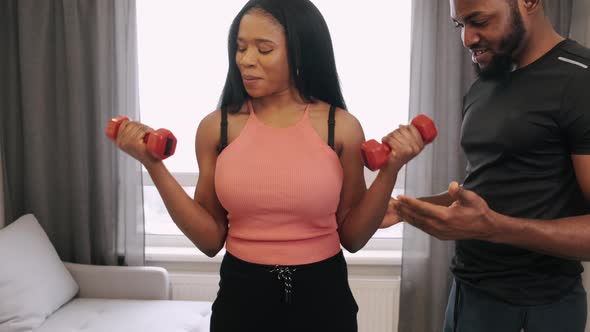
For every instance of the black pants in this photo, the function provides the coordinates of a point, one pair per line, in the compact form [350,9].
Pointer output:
[255,297]
[471,310]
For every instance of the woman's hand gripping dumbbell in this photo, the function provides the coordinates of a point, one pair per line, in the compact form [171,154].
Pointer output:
[160,144]
[375,155]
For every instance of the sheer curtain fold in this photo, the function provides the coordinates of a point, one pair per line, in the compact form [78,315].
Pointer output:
[441,73]
[560,14]
[2,181]
[580,22]
[70,66]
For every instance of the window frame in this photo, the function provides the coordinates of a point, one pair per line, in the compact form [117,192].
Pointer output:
[353,77]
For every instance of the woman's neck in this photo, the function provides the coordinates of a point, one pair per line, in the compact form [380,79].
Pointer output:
[282,100]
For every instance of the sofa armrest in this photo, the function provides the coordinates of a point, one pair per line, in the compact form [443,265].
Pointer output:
[121,282]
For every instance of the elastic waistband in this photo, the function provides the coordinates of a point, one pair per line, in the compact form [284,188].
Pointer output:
[254,267]
[284,252]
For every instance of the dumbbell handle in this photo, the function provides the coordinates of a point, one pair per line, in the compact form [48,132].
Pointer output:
[375,154]
[160,143]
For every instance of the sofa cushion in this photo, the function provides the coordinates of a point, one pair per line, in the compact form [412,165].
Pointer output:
[33,280]
[100,315]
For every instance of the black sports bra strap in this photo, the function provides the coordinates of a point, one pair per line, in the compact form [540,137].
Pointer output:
[331,125]
[223,138]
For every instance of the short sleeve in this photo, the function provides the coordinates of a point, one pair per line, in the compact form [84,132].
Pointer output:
[574,119]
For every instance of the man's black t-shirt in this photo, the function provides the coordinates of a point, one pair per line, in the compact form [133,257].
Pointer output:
[518,135]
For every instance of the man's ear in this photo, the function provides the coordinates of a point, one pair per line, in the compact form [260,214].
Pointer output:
[532,6]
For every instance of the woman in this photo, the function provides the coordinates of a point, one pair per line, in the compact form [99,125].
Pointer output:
[280,177]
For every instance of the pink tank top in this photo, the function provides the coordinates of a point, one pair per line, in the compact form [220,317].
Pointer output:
[281,188]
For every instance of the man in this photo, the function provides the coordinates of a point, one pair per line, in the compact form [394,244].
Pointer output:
[521,219]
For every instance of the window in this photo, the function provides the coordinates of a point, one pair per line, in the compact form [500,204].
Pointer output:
[182,50]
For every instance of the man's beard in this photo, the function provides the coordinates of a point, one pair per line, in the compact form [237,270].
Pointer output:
[502,63]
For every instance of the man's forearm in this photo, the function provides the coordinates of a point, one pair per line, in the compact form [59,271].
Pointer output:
[567,237]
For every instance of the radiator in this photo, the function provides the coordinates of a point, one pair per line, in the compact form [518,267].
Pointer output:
[378,299]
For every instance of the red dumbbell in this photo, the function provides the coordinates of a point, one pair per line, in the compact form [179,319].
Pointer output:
[375,154]
[160,143]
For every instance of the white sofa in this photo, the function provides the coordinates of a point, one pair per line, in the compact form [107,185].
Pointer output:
[40,293]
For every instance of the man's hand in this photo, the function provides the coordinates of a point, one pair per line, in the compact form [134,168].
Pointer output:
[391,216]
[468,217]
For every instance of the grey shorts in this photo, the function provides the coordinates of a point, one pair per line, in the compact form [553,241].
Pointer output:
[471,310]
